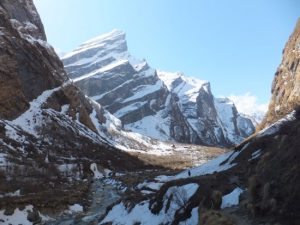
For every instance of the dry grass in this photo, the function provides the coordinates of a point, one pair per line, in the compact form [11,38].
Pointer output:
[212,217]
[174,161]
[187,157]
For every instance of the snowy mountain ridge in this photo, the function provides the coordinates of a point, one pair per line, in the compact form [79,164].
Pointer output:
[162,105]
[59,156]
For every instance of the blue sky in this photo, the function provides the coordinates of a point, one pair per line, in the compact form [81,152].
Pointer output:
[234,44]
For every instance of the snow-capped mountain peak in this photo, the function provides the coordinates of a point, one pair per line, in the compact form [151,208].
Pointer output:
[105,51]
[114,40]
[184,86]
[107,37]
[173,79]
[162,105]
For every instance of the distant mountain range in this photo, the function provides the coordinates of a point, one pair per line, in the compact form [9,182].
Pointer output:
[162,105]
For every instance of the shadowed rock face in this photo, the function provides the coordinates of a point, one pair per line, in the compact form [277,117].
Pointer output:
[286,83]
[46,122]
[25,13]
[21,78]
[161,105]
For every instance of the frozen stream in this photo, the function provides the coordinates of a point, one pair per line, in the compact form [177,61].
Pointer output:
[103,196]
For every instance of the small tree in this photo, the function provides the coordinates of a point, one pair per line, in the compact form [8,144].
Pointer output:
[177,201]
[180,197]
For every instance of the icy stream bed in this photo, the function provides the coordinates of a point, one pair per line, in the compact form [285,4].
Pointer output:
[103,195]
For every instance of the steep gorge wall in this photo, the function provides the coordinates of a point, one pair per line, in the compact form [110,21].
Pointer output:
[27,68]
[286,84]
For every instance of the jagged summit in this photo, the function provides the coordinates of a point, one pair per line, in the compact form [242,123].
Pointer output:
[107,50]
[182,85]
[115,40]
[174,79]
[112,35]
[162,105]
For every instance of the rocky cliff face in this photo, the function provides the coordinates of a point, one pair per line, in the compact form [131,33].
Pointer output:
[23,43]
[161,105]
[214,120]
[46,122]
[286,83]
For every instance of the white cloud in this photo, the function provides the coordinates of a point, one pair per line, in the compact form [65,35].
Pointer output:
[248,104]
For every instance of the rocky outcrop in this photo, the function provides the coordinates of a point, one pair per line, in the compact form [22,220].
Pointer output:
[212,120]
[24,16]
[161,105]
[50,132]
[22,45]
[286,83]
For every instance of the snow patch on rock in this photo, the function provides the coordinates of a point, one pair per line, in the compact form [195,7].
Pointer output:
[94,169]
[232,199]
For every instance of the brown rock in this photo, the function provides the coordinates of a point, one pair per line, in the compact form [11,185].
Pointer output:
[21,78]
[286,84]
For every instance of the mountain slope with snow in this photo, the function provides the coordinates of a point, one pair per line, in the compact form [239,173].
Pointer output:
[246,180]
[258,181]
[50,132]
[161,105]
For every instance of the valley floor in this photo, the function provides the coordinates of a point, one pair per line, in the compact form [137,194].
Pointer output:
[180,156]
[114,187]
